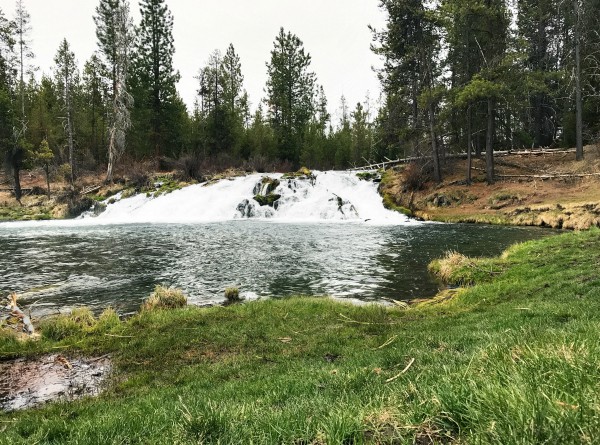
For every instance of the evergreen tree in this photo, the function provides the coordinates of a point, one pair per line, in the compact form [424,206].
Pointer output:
[115,33]
[43,157]
[155,76]
[290,90]
[540,25]
[95,91]
[223,110]
[232,80]
[234,101]
[22,29]
[44,123]
[361,135]
[342,139]
[66,80]
[7,83]
[410,46]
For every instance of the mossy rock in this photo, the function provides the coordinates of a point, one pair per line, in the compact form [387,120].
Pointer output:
[369,176]
[303,173]
[272,184]
[77,206]
[390,203]
[268,200]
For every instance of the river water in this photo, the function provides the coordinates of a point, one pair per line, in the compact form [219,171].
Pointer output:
[60,267]
[325,235]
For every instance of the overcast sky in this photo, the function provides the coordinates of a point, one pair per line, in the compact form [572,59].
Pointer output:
[334,32]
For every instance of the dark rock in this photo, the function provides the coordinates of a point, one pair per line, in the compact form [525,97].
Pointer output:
[247,209]
[268,200]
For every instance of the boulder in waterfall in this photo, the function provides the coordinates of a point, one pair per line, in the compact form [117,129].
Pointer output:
[266,186]
[302,174]
[267,200]
[246,209]
[344,206]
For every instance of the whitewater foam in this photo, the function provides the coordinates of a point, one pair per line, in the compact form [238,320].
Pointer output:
[326,197]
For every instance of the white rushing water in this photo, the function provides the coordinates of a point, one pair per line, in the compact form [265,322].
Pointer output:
[329,197]
[326,197]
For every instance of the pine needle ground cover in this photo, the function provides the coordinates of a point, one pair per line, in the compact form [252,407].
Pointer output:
[512,359]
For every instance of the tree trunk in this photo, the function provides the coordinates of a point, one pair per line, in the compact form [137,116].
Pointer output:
[489,145]
[111,156]
[47,170]
[17,180]
[469,146]
[70,131]
[578,98]
[437,174]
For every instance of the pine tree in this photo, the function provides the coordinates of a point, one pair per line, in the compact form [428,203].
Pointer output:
[22,27]
[7,83]
[232,80]
[115,33]
[410,46]
[66,79]
[44,121]
[95,90]
[154,70]
[234,100]
[540,25]
[290,90]
[43,157]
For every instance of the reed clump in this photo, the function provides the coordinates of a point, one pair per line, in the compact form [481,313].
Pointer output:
[232,295]
[165,298]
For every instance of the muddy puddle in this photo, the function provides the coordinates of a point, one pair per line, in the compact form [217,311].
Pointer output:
[26,383]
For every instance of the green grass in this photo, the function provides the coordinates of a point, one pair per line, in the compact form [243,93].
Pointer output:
[21,213]
[514,359]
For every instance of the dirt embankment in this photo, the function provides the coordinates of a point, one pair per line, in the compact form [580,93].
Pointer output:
[64,201]
[549,190]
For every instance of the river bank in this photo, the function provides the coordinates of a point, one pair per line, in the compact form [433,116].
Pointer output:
[461,369]
[549,190]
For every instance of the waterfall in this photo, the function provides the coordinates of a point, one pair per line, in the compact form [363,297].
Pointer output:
[321,197]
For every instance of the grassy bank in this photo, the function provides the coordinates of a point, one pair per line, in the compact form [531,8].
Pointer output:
[514,359]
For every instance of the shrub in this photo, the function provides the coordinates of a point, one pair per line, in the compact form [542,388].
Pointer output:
[62,173]
[232,295]
[139,178]
[191,168]
[414,177]
[165,298]
[257,163]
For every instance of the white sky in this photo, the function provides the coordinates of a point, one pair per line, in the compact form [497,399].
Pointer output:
[334,32]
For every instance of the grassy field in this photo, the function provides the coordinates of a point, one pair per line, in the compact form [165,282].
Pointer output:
[513,359]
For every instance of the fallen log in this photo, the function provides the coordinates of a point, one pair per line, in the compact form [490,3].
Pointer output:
[90,190]
[558,176]
[391,163]
[18,313]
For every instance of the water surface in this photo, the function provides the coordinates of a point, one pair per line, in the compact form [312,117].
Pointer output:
[118,265]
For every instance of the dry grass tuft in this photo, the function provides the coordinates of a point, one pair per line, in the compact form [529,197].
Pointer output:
[446,267]
[165,298]
[232,295]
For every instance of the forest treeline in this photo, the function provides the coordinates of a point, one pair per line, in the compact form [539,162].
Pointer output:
[458,75]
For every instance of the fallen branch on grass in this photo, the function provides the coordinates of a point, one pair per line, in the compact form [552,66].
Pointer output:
[404,371]
[559,176]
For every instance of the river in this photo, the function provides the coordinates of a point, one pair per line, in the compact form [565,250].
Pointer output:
[329,236]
